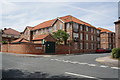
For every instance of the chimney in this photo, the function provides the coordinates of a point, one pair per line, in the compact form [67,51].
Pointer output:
[5,28]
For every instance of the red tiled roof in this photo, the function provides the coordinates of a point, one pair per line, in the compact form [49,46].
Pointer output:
[65,19]
[30,27]
[70,18]
[20,40]
[39,37]
[44,24]
[104,30]
[11,31]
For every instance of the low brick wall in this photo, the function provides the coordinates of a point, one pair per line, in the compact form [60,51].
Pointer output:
[23,48]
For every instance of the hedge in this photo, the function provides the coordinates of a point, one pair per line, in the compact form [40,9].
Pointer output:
[116,53]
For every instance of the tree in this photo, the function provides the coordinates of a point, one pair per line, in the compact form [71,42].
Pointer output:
[60,36]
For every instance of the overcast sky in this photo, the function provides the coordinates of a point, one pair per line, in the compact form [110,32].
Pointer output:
[18,15]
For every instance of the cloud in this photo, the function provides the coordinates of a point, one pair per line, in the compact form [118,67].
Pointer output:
[18,15]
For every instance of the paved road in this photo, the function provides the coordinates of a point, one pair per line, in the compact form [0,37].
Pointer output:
[58,66]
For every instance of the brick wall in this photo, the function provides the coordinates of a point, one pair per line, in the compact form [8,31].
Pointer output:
[117,31]
[23,48]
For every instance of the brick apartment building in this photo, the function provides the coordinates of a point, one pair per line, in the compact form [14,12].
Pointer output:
[26,34]
[107,39]
[83,36]
[117,31]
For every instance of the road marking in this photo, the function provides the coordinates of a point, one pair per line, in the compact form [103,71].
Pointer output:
[103,66]
[75,62]
[82,63]
[85,76]
[99,60]
[91,64]
[115,68]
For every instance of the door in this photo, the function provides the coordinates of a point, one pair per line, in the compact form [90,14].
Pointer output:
[49,47]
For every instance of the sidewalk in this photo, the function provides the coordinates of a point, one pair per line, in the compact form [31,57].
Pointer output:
[26,55]
[109,61]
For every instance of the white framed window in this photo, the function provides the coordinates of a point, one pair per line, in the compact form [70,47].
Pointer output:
[61,25]
[68,26]
[91,45]
[81,45]
[75,27]
[55,27]
[87,47]
[86,36]
[75,35]
[92,37]
[86,28]
[81,36]
[81,27]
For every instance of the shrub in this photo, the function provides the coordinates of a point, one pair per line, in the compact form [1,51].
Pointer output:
[116,53]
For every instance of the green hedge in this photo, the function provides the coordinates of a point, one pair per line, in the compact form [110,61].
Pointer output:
[116,53]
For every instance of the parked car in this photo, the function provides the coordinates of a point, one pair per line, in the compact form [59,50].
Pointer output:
[101,50]
[108,50]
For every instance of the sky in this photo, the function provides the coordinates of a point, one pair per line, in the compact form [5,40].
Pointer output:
[18,15]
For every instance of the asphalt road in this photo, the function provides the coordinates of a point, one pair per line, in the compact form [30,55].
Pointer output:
[58,66]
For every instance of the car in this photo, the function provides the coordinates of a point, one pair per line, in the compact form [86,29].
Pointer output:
[108,50]
[101,50]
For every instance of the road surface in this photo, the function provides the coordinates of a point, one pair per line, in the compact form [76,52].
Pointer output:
[58,66]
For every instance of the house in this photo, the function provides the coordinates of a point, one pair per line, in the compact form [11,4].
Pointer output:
[107,38]
[117,31]
[83,36]
[9,35]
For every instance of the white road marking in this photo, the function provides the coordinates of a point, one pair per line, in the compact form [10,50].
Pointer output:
[115,68]
[85,76]
[75,62]
[82,63]
[91,64]
[103,66]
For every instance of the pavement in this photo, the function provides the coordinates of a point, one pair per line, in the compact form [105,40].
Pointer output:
[108,61]
[57,66]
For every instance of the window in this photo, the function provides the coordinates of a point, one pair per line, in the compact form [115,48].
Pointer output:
[86,36]
[87,47]
[75,27]
[81,27]
[94,30]
[68,26]
[81,45]
[103,40]
[81,36]
[91,45]
[41,31]
[75,35]
[98,39]
[91,30]
[50,29]
[94,46]
[60,25]
[92,37]
[75,45]
[86,28]
[98,32]
[55,27]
